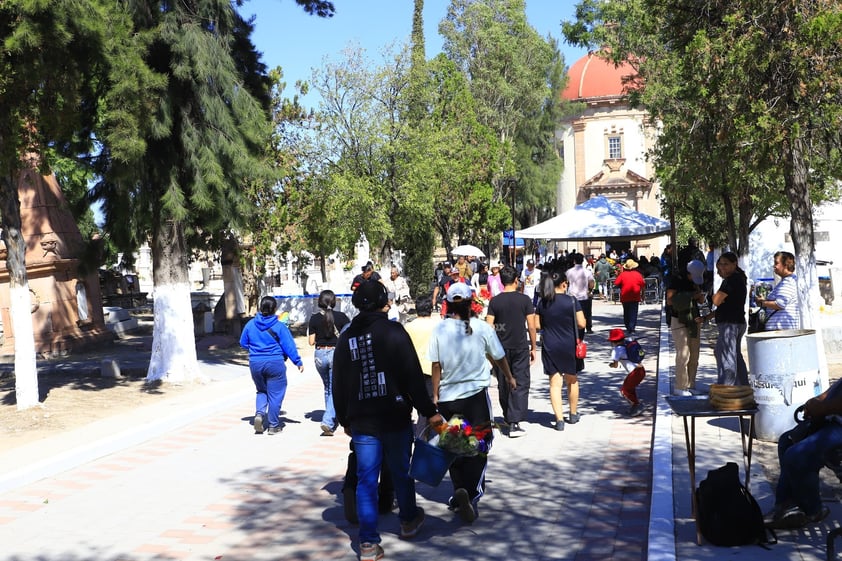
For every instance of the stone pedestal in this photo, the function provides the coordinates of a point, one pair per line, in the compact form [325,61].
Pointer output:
[66,304]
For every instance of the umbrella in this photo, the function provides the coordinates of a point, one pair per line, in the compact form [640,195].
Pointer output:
[598,218]
[468,251]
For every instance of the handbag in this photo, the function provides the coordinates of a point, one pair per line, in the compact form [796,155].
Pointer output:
[804,427]
[581,346]
[581,349]
[757,320]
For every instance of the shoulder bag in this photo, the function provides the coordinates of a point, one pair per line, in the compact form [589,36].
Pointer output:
[581,346]
[757,320]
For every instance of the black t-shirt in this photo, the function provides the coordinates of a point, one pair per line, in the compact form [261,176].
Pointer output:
[732,309]
[359,279]
[317,325]
[510,310]
[443,283]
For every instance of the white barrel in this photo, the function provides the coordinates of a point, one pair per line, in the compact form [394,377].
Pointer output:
[784,373]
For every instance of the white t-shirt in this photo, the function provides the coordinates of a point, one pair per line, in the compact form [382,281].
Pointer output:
[578,279]
[620,355]
[465,370]
[530,281]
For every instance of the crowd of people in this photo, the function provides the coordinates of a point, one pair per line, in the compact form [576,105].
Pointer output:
[491,323]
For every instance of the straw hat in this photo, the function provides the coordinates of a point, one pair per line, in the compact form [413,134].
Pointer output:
[630,264]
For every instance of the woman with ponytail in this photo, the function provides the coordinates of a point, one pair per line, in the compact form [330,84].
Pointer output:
[560,317]
[323,332]
[461,376]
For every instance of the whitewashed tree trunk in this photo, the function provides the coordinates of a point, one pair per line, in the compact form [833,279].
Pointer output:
[26,372]
[804,242]
[173,344]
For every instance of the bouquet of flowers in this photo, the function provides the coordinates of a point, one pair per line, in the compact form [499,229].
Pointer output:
[459,437]
[479,305]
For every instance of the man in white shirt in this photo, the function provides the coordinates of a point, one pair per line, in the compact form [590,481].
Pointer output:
[529,279]
[580,284]
[398,294]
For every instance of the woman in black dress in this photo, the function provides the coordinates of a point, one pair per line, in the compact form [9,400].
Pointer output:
[556,310]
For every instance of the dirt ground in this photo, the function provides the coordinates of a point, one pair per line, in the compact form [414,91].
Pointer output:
[78,395]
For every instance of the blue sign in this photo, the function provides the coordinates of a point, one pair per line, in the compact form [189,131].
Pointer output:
[507,238]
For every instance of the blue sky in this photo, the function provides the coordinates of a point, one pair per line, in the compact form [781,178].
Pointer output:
[291,39]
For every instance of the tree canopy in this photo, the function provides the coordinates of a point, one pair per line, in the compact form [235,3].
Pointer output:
[749,97]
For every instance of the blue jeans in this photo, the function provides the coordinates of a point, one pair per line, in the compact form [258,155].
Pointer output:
[630,310]
[393,447]
[800,465]
[731,367]
[270,380]
[324,366]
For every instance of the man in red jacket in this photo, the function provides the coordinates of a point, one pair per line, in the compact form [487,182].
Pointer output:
[631,284]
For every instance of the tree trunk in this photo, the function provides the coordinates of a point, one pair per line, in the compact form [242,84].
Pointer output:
[173,344]
[804,242]
[26,372]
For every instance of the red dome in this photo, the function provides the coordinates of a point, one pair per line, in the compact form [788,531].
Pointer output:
[595,77]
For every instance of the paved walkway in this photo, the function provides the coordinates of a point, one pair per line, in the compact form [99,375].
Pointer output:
[187,479]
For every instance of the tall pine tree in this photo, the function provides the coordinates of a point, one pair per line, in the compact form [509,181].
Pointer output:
[204,136]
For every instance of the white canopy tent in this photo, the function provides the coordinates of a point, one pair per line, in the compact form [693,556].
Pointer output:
[598,218]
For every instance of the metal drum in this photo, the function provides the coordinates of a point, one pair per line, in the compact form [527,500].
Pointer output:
[784,372]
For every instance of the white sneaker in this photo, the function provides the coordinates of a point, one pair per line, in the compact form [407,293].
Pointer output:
[682,393]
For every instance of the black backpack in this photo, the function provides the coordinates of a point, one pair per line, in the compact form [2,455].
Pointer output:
[727,514]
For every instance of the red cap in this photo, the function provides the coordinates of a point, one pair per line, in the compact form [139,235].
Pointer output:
[616,335]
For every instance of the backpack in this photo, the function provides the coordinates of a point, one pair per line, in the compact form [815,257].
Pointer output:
[634,351]
[727,514]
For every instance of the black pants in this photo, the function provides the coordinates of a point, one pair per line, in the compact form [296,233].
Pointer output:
[468,472]
[515,403]
[587,309]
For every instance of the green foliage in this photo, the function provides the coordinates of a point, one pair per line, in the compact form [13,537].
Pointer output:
[515,77]
[201,121]
[742,91]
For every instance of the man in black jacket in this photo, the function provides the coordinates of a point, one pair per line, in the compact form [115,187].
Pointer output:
[377,380]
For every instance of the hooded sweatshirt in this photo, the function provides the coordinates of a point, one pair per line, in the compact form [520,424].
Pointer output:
[262,345]
[377,378]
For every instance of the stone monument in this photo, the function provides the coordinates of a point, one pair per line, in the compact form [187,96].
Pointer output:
[66,306]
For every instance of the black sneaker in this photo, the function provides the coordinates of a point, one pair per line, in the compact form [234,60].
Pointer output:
[258,424]
[515,430]
[410,529]
[559,425]
[819,516]
[787,519]
[572,419]
[464,507]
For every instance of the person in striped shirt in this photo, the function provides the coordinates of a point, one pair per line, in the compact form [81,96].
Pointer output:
[782,302]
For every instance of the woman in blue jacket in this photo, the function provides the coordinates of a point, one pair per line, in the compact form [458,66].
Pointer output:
[269,343]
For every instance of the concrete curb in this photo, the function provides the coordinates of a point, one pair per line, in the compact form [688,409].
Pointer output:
[661,512]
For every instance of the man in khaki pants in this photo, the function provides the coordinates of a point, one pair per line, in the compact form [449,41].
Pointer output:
[683,298]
